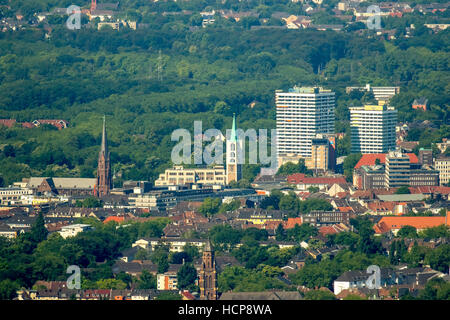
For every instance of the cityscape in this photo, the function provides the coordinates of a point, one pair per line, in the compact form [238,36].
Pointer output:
[233,150]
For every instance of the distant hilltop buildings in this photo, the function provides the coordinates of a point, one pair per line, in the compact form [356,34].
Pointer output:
[58,123]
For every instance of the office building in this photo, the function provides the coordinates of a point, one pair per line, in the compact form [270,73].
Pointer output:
[372,129]
[179,175]
[302,113]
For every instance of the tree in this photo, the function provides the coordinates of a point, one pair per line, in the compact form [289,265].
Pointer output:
[147,280]
[291,168]
[38,231]
[403,190]
[8,289]
[210,206]
[168,296]
[319,295]
[349,164]
[407,232]
[280,233]
[186,276]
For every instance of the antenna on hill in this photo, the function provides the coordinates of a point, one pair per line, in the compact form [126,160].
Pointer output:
[159,66]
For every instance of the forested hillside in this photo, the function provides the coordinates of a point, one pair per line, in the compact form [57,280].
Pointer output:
[206,74]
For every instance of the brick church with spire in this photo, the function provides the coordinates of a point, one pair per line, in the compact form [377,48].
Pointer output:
[104,166]
[208,275]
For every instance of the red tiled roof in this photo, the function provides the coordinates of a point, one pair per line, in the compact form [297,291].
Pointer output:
[8,122]
[345,209]
[291,222]
[327,230]
[369,159]
[114,218]
[430,189]
[297,178]
[381,206]
[388,223]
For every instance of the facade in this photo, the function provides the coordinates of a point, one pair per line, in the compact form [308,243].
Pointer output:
[181,176]
[302,112]
[426,156]
[323,154]
[167,281]
[397,170]
[104,182]
[369,177]
[442,164]
[208,275]
[233,161]
[318,218]
[373,129]
[13,195]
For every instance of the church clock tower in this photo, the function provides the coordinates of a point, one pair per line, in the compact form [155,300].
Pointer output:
[234,147]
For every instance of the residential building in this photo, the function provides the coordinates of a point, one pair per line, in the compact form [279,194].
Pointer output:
[73,229]
[234,155]
[302,112]
[442,164]
[208,275]
[167,281]
[323,154]
[372,129]
[420,104]
[181,176]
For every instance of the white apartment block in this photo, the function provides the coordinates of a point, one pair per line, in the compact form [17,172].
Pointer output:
[302,112]
[442,164]
[372,129]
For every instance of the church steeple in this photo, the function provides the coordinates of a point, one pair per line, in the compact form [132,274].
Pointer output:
[104,167]
[104,147]
[208,274]
[234,147]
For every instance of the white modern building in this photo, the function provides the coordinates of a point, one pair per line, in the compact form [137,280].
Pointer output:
[73,229]
[380,93]
[372,129]
[302,112]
